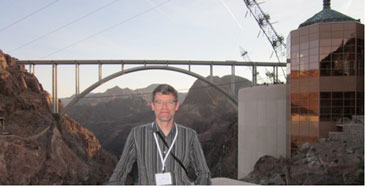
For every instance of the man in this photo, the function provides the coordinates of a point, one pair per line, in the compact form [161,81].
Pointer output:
[163,149]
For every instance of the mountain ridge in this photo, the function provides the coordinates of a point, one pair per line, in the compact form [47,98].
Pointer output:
[116,92]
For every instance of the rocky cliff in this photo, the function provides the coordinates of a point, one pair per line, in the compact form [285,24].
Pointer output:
[112,120]
[41,147]
[337,160]
[215,119]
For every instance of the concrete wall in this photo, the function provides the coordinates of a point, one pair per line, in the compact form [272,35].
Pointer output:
[262,125]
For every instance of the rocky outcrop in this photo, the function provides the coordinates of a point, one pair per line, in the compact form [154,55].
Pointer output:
[111,121]
[215,119]
[44,148]
[335,160]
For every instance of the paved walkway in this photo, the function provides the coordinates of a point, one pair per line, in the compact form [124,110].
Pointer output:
[228,181]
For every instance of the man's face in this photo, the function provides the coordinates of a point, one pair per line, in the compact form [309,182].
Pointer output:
[164,107]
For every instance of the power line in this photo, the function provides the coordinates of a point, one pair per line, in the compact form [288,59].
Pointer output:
[63,26]
[108,28]
[29,15]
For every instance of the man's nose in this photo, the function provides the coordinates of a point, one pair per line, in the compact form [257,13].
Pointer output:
[164,104]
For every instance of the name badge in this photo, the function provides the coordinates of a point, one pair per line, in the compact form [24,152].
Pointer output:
[163,179]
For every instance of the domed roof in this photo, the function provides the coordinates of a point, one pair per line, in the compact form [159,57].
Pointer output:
[327,15]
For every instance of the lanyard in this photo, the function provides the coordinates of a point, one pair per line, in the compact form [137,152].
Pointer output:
[163,160]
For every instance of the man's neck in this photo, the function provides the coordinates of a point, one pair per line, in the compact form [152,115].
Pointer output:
[165,126]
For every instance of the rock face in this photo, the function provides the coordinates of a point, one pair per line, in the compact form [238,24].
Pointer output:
[43,148]
[112,114]
[335,160]
[111,121]
[214,117]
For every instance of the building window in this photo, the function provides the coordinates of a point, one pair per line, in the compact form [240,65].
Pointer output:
[340,59]
[338,105]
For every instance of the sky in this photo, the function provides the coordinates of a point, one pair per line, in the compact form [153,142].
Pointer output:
[147,29]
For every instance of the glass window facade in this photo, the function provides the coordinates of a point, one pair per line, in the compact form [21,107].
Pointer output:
[326,78]
[338,105]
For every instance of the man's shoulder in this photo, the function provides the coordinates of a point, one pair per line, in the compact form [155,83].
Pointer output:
[187,129]
[143,127]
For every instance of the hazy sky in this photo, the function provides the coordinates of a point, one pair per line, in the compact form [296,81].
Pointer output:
[146,29]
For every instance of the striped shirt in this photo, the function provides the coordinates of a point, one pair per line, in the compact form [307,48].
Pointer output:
[141,147]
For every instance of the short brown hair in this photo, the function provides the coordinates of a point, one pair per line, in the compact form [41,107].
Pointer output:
[165,89]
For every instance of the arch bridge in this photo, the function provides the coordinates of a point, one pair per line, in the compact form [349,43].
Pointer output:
[145,65]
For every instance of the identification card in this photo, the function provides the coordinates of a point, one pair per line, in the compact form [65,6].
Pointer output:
[163,179]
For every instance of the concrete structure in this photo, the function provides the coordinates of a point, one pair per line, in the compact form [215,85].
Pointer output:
[262,125]
[157,64]
[228,181]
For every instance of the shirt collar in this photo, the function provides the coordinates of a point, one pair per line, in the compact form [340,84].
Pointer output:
[156,128]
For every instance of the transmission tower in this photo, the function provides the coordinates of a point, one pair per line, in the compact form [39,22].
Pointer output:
[263,20]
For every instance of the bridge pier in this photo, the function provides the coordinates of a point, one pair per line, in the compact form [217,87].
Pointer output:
[273,75]
[77,79]
[32,68]
[100,71]
[233,80]
[54,88]
[211,73]
[254,75]
[276,74]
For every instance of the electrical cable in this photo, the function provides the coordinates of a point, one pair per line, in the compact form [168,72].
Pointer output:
[63,26]
[28,15]
[108,28]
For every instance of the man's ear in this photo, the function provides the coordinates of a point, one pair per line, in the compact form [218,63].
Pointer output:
[152,106]
[177,105]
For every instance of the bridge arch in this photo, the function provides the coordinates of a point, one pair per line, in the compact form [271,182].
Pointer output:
[135,69]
